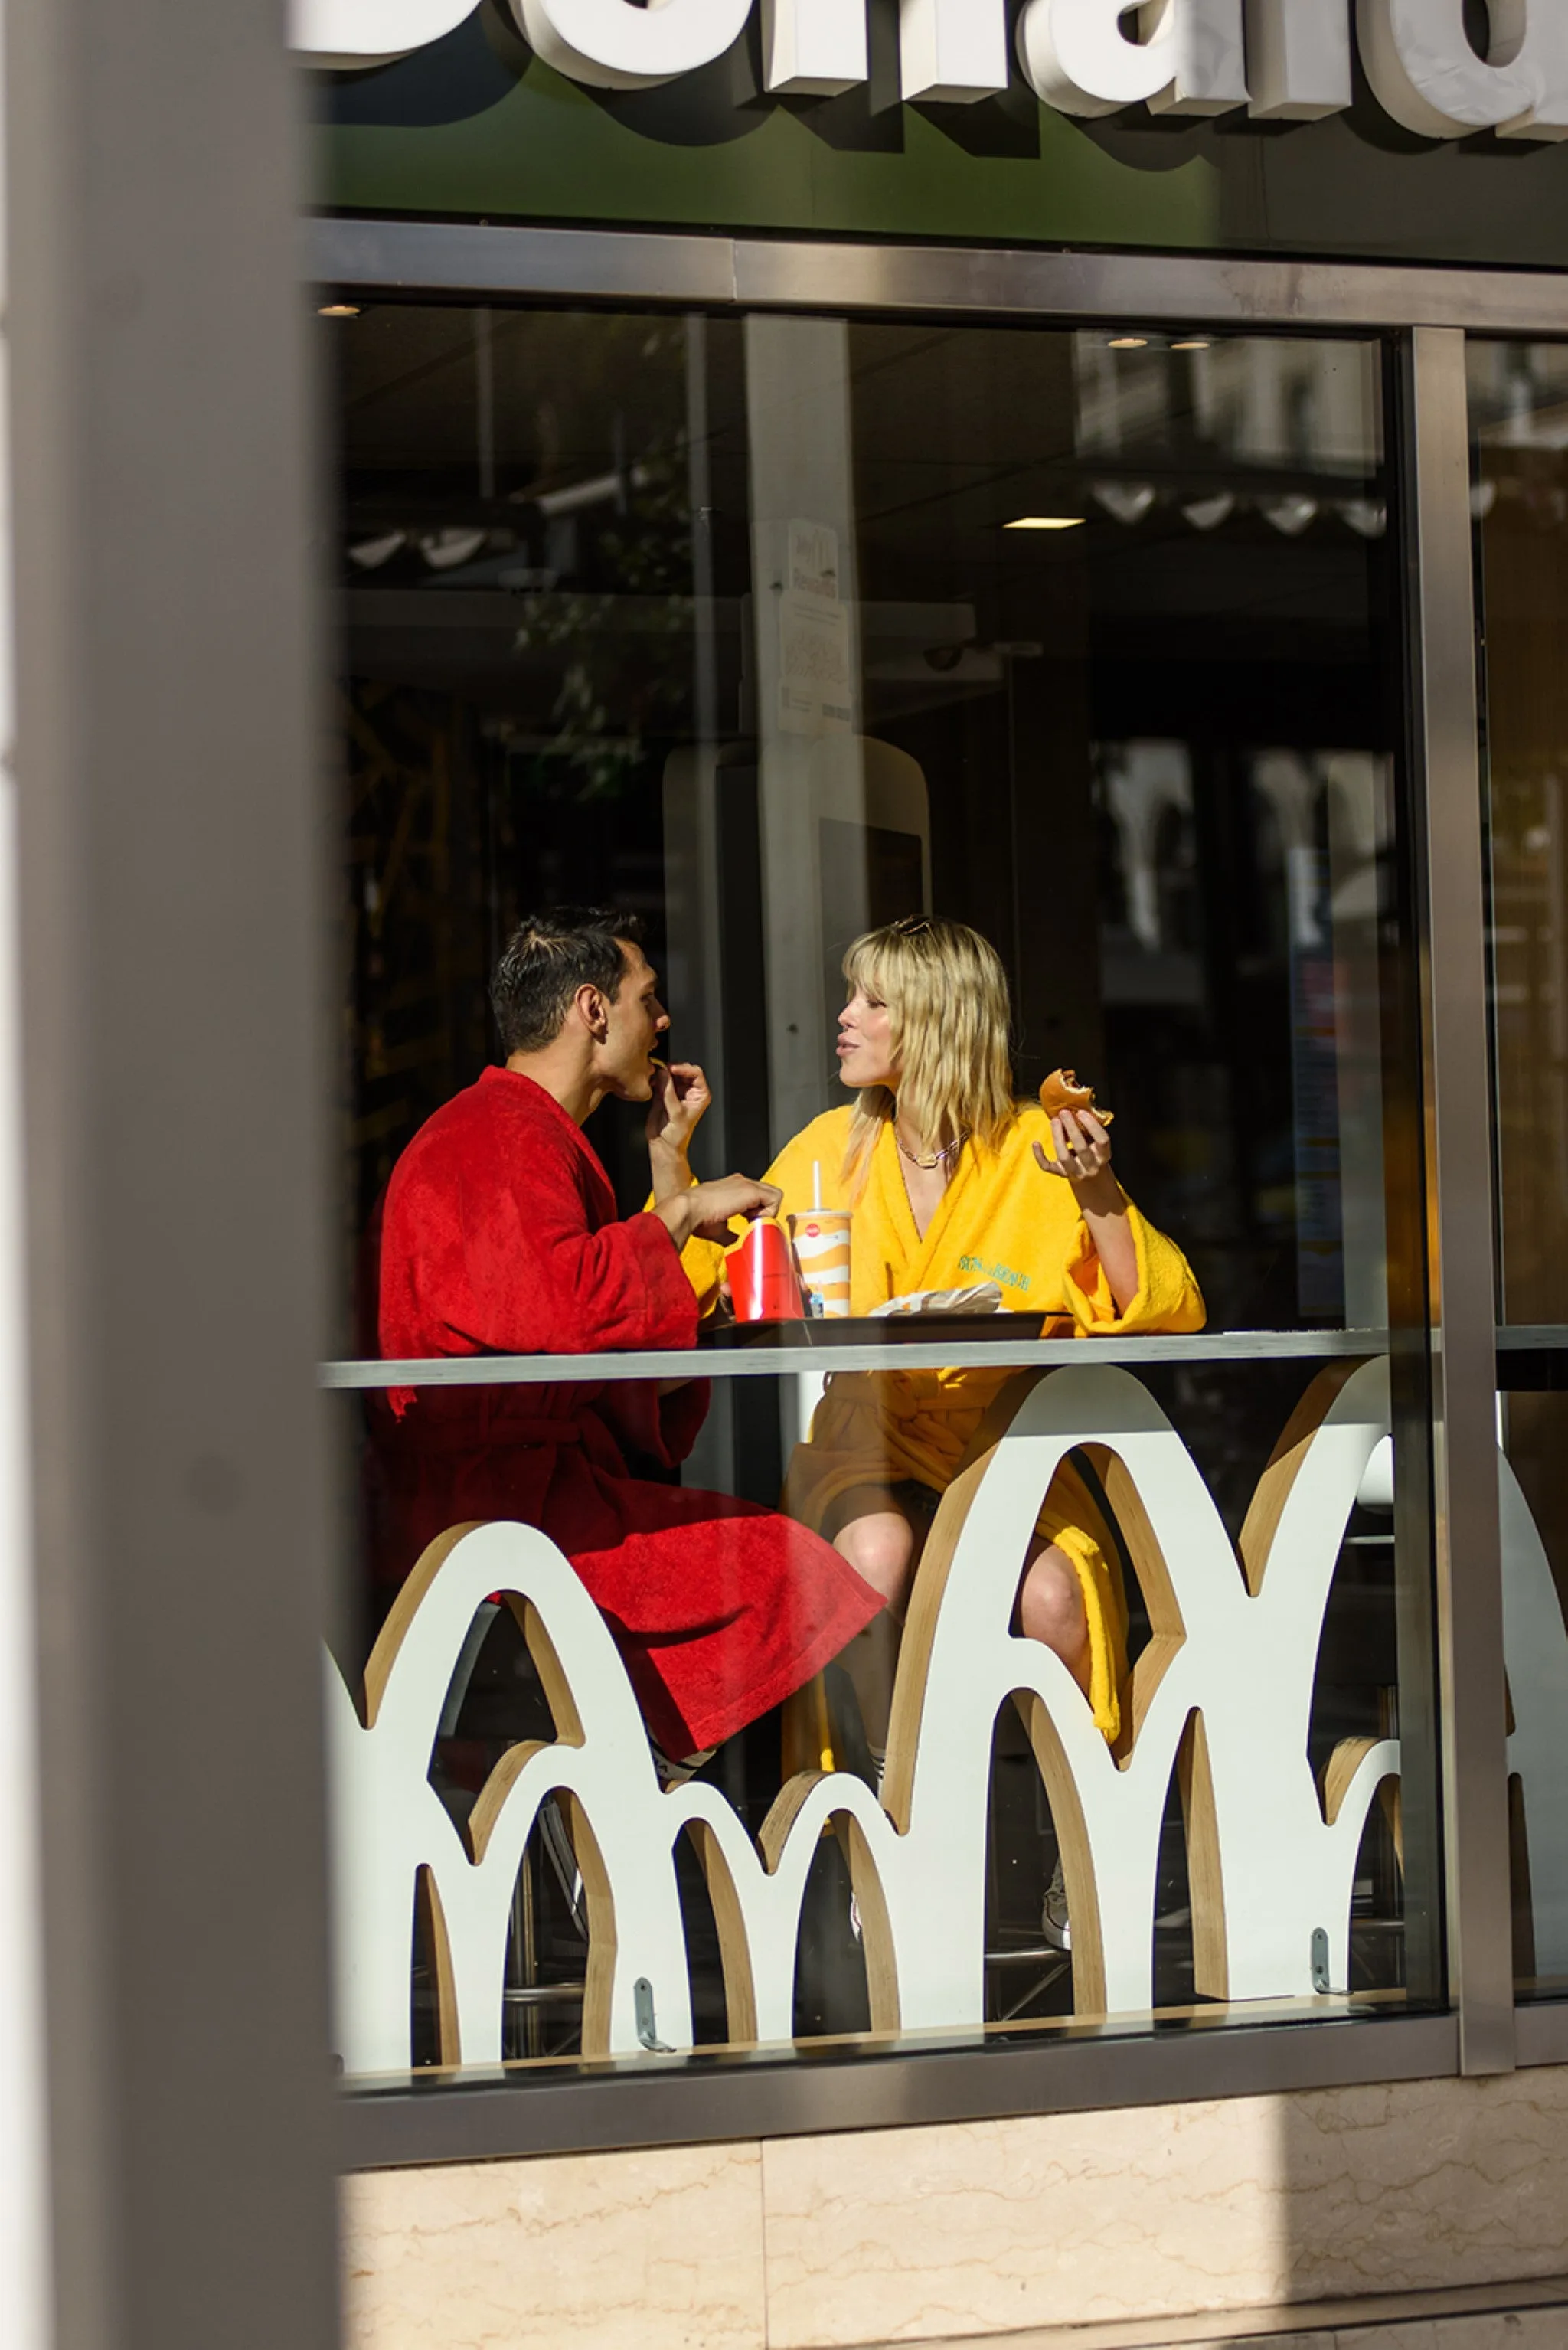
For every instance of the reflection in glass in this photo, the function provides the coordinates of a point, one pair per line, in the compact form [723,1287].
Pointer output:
[732,624]
[723,623]
[1519,408]
[1519,402]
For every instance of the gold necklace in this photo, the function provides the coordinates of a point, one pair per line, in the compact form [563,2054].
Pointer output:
[939,1159]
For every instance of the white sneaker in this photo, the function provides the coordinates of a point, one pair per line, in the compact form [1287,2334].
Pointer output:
[1054,1923]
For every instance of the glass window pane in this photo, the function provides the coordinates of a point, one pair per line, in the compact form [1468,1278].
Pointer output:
[1004,1535]
[1519,405]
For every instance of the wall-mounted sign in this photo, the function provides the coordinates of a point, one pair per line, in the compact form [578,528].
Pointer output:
[1279,59]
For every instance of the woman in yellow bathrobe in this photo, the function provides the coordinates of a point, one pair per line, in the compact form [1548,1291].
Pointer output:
[952,1182]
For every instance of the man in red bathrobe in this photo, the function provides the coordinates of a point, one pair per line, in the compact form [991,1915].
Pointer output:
[500,1235]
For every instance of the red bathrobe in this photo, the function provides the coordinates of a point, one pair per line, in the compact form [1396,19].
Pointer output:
[500,1236]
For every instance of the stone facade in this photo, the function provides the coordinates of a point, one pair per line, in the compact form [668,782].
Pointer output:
[1143,2226]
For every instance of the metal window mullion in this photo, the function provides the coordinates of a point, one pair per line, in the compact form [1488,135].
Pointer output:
[1459,1198]
[412,259]
[714,2098]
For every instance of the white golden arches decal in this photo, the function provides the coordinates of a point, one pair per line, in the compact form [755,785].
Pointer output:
[1535,1642]
[1225,1688]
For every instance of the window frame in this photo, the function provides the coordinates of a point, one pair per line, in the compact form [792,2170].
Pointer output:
[1443,1341]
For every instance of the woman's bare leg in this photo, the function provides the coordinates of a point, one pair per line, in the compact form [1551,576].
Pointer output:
[1051,1610]
[867,1527]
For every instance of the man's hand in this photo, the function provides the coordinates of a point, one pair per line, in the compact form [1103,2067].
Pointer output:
[706,1211]
[680,1101]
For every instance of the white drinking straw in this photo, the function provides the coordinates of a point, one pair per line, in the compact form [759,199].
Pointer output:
[817,1185]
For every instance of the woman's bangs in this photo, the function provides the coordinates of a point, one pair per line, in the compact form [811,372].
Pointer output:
[863,969]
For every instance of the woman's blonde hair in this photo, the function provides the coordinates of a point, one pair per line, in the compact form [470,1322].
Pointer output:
[948,1020]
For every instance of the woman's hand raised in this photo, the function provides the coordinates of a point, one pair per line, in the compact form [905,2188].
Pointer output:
[1084,1159]
[1083,1156]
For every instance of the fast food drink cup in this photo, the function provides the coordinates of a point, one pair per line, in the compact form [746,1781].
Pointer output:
[762,1277]
[821,1239]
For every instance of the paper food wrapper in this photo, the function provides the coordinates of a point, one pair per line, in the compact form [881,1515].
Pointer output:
[985,1297]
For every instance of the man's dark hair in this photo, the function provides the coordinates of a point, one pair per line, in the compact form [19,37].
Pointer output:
[550,956]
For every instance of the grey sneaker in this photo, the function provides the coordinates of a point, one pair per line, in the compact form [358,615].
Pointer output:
[1054,1923]
[673,1774]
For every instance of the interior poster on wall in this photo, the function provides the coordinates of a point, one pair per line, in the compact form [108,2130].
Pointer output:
[814,685]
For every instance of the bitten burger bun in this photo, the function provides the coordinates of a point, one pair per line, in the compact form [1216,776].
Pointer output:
[1062,1091]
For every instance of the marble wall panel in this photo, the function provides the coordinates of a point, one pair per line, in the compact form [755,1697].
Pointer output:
[936,2236]
[924,2235]
[622,2251]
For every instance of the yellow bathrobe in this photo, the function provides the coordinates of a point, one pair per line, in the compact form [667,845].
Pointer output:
[1003,1220]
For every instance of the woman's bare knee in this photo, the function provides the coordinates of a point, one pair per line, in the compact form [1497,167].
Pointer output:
[1052,1610]
[880,1547]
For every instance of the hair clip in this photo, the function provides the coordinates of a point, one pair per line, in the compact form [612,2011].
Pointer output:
[911,926]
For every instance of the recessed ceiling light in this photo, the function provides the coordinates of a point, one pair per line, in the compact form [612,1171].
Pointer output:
[1192,343]
[1128,343]
[338,310]
[1045,522]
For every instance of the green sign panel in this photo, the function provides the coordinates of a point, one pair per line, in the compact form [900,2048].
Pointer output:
[474,126]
